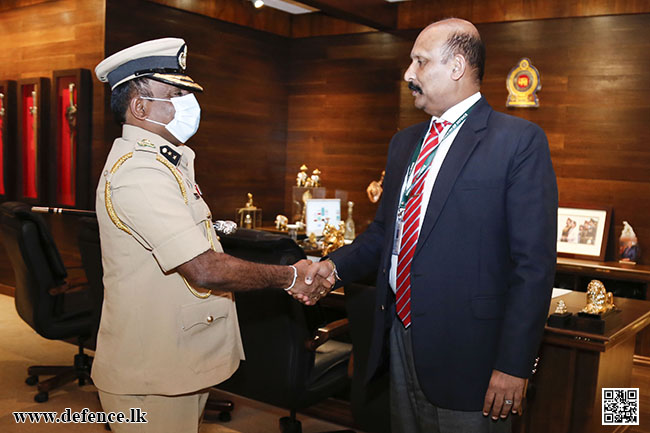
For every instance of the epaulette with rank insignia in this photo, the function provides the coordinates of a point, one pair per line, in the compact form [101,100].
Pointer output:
[170,154]
[164,154]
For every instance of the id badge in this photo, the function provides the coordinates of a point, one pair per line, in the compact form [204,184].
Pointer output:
[399,225]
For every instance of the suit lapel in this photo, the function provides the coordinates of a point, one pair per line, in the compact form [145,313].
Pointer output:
[466,140]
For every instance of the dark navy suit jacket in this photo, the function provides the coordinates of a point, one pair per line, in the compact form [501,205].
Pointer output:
[483,269]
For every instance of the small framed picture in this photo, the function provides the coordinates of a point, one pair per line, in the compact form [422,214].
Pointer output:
[320,211]
[582,231]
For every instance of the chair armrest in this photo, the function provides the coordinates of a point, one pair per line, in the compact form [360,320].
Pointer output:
[326,332]
[68,287]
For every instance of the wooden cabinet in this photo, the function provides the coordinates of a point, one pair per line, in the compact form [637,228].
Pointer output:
[626,281]
[574,367]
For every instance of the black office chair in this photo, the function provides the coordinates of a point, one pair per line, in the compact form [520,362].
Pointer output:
[42,297]
[289,362]
[91,260]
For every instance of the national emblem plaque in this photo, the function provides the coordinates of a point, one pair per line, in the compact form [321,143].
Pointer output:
[523,82]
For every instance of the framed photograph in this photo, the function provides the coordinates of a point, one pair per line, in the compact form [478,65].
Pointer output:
[582,231]
[319,211]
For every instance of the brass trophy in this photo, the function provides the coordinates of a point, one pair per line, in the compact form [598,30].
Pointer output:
[375,189]
[71,116]
[249,203]
[301,177]
[305,196]
[281,223]
[305,188]
[249,216]
[312,181]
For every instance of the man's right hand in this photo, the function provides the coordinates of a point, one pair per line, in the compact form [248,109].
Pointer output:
[314,281]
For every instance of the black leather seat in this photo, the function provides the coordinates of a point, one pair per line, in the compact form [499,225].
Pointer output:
[290,362]
[43,297]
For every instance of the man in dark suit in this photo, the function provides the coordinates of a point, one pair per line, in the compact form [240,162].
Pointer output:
[464,240]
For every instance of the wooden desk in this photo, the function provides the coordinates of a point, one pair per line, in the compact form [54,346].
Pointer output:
[575,365]
[623,280]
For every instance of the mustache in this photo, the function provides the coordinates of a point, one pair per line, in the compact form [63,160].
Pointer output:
[415,87]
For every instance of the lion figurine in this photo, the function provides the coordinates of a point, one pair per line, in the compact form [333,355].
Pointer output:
[599,300]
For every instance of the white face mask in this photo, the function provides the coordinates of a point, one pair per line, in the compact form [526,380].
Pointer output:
[187,118]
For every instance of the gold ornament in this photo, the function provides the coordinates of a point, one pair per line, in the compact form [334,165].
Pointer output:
[561,307]
[598,299]
[375,189]
[333,237]
[281,223]
[301,177]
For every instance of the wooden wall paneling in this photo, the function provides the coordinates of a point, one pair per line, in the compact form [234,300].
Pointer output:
[8,145]
[41,36]
[75,187]
[319,24]
[595,102]
[12,4]
[241,143]
[377,14]
[343,108]
[33,153]
[237,12]
[414,14]
[417,14]
[594,106]
[57,35]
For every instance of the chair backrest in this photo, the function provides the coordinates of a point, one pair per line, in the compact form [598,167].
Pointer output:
[38,267]
[91,260]
[274,326]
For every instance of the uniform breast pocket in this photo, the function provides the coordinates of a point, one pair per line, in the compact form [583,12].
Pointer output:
[199,209]
[207,332]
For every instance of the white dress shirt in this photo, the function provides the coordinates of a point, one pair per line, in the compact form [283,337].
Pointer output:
[451,115]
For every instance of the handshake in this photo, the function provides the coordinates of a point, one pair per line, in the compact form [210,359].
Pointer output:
[313,280]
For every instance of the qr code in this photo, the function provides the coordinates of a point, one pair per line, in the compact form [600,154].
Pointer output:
[620,406]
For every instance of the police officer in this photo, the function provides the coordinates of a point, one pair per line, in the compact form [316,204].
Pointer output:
[169,325]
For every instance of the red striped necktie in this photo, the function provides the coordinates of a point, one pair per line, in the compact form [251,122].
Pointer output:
[411,227]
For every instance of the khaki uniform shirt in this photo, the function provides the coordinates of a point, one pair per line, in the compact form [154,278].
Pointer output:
[155,336]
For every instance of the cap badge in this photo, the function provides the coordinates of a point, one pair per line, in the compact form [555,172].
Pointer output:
[182,58]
